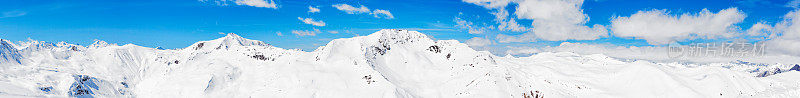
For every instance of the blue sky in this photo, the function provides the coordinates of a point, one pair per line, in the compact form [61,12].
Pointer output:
[179,23]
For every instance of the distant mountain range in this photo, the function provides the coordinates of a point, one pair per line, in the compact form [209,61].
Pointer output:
[387,63]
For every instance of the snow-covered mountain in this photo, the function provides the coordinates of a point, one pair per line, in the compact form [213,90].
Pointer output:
[387,63]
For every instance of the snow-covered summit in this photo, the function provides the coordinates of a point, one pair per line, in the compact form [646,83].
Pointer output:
[100,43]
[230,40]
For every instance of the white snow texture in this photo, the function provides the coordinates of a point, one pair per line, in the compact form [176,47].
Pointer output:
[387,64]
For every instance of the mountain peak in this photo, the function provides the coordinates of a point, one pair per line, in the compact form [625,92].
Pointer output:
[8,43]
[8,53]
[99,43]
[398,32]
[398,35]
[232,36]
[229,40]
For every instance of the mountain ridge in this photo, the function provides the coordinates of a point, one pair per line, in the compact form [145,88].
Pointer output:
[387,63]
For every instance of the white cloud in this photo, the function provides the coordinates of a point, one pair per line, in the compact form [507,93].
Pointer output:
[501,15]
[511,25]
[471,28]
[15,13]
[507,24]
[350,9]
[567,11]
[478,42]
[279,33]
[556,20]
[312,9]
[258,3]
[253,3]
[377,13]
[311,21]
[553,20]
[306,32]
[658,27]
[761,29]
[789,30]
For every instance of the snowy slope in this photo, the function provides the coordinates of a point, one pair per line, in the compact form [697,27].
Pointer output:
[388,63]
[9,54]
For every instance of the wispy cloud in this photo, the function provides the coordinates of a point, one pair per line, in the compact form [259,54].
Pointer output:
[377,13]
[386,14]
[793,4]
[312,9]
[15,13]
[333,32]
[350,9]
[478,42]
[306,32]
[311,21]
[469,26]
[253,3]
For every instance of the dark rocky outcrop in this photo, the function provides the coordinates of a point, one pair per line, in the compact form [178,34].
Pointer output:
[83,86]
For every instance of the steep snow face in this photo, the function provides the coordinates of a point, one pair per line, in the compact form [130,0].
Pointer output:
[9,54]
[388,63]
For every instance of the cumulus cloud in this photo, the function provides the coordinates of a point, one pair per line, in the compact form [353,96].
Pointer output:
[471,28]
[658,27]
[556,20]
[377,13]
[306,32]
[311,21]
[511,25]
[478,42]
[553,20]
[312,9]
[253,3]
[507,24]
[789,30]
[761,29]
[501,15]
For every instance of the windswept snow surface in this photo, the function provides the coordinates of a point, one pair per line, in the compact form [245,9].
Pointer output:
[388,63]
